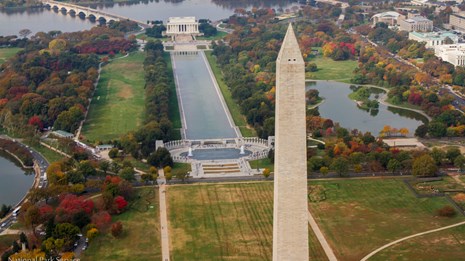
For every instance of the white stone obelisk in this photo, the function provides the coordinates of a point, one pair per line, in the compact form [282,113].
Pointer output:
[290,213]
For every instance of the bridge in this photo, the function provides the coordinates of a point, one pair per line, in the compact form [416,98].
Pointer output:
[88,12]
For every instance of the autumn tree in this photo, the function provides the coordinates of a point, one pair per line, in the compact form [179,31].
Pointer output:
[117,229]
[424,166]
[340,165]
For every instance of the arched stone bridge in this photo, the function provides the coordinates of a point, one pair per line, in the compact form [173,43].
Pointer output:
[89,12]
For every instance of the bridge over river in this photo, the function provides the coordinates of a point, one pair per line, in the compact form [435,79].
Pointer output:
[89,12]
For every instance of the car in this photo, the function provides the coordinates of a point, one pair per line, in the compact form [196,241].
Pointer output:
[42,233]
[79,235]
[84,247]
[76,244]
[3,225]
[87,240]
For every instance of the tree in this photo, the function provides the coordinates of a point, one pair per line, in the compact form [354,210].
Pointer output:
[68,232]
[128,174]
[120,203]
[113,153]
[266,172]
[340,165]
[324,170]
[437,129]
[24,32]
[394,165]
[421,131]
[452,153]
[160,158]
[104,166]
[116,229]
[438,155]
[92,233]
[424,166]
[459,162]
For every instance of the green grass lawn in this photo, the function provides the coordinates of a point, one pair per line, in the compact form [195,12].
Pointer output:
[238,118]
[141,233]
[359,216]
[224,222]
[443,245]
[219,35]
[341,71]
[7,53]
[262,163]
[180,168]
[118,104]
[6,241]
[148,38]
[49,154]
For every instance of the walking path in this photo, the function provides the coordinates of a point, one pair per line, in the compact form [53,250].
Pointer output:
[409,237]
[165,239]
[316,229]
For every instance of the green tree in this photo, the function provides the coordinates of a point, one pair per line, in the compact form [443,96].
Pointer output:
[340,166]
[104,166]
[68,232]
[438,155]
[113,153]
[452,153]
[421,131]
[394,165]
[437,129]
[424,166]
[128,174]
[459,162]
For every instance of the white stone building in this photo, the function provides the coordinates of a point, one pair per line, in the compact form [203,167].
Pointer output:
[452,53]
[433,39]
[182,25]
[389,18]
[457,21]
[415,23]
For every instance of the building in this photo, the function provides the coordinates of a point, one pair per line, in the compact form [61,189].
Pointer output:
[457,21]
[451,53]
[104,147]
[182,25]
[415,23]
[389,18]
[433,39]
[290,210]
[63,134]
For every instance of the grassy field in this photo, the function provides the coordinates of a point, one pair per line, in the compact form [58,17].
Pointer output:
[238,118]
[358,216]
[224,222]
[219,35]
[262,163]
[6,53]
[180,168]
[341,71]
[443,245]
[141,233]
[175,116]
[118,103]
[6,241]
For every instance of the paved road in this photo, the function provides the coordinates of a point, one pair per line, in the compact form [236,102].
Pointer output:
[42,164]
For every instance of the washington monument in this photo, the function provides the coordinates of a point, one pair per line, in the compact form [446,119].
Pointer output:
[290,213]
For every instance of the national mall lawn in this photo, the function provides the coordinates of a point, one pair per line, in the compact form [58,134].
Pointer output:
[118,103]
[140,240]
[222,221]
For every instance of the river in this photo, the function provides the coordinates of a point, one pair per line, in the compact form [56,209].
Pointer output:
[338,107]
[47,20]
[15,181]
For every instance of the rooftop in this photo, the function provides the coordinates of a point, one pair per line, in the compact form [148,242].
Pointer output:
[185,19]
[434,35]
[387,14]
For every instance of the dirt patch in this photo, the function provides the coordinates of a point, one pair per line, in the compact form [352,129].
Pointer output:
[124,90]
